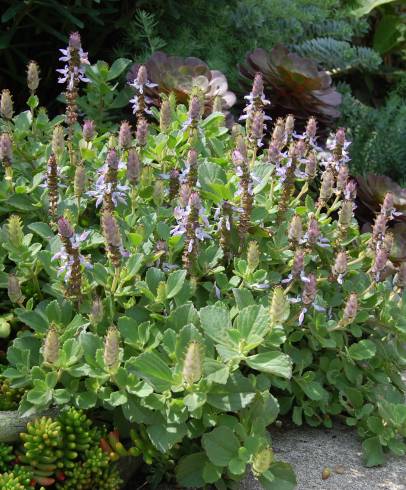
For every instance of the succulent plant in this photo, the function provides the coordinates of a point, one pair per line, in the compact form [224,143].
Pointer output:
[12,481]
[293,84]
[95,471]
[6,456]
[179,75]
[9,397]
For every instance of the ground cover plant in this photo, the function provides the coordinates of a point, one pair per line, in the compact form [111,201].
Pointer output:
[192,284]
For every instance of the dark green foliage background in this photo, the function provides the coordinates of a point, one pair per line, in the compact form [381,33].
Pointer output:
[221,33]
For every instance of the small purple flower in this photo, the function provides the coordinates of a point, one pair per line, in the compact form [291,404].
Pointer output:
[71,72]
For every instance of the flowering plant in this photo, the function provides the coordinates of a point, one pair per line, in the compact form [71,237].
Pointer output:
[199,283]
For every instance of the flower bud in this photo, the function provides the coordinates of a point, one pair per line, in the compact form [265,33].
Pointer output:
[298,263]
[274,154]
[111,355]
[313,230]
[387,243]
[194,109]
[342,178]
[165,116]
[58,140]
[193,363]
[142,132]
[379,228]
[278,134]
[111,229]
[79,181]
[50,350]
[289,125]
[262,461]
[326,187]
[6,105]
[112,159]
[173,183]
[124,136]
[142,75]
[32,76]
[345,214]
[74,41]
[257,86]
[279,309]
[194,200]
[184,195]
[257,127]
[309,290]
[351,308]
[311,165]
[340,264]
[387,206]
[381,259]
[5,148]
[97,311]
[64,227]
[88,130]
[241,147]
[295,232]
[311,128]
[14,289]
[300,149]
[252,256]
[133,166]
[15,231]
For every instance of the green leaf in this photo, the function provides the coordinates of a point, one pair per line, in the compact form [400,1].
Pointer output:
[117,68]
[314,390]
[153,369]
[41,229]
[387,34]
[253,324]
[53,312]
[284,477]
[221,445]
[243,297]
[189,471]
[373,452]
[117,398]
[175,283]
[236,466]
[216,371]
[86,400]
[368,5]
[364,349]
[153,277]
[211,473]
[40,395]
[215,321]
[236,394]
[272,362]
[164,437]
[33,319]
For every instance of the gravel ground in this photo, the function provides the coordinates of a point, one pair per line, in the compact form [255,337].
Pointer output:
[310,450]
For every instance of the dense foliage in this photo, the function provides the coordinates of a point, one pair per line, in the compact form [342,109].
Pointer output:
[193,285]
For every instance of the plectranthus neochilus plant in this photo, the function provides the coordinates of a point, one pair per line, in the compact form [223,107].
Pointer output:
[206,282]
